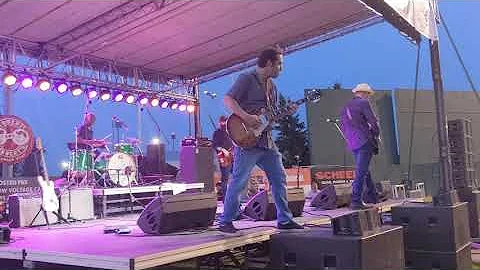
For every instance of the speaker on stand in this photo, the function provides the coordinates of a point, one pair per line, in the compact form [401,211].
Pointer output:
[196,166]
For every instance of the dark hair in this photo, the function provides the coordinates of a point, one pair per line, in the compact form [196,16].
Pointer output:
[270,54]
[222,118]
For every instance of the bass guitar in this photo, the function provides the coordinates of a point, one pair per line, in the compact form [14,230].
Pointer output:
[246,136]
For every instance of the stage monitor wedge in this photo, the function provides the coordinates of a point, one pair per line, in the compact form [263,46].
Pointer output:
[166,214]
[262,207]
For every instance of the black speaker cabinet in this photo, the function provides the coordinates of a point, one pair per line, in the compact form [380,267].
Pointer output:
[358,223]
[319,248]
[196,166]
[262,207]
[473,199]
[419,259]
[154,162]
[433,228]
[172,213]
[332,196]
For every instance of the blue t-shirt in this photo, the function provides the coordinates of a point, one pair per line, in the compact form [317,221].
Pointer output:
[251,96]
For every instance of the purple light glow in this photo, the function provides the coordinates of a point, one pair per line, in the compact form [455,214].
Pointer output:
[130,99]
[164,104]
[105,95]
[143,100]
[43,85]
[62,87]
[27,82]
[9,79]
[190,108]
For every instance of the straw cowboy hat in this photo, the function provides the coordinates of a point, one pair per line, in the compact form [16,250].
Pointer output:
[363,87]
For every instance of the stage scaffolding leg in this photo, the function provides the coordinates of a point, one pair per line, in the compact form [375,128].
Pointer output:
[446,195]
[7,170]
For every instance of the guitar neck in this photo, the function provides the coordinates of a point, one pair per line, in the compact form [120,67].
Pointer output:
[284,111]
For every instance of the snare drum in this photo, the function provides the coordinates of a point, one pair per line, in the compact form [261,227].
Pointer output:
[82,160]
[125,148]
[122,169]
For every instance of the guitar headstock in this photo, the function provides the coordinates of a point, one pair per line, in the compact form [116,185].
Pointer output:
[313,95]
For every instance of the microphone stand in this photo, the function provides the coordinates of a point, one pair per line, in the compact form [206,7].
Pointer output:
[297,158]
[339,130]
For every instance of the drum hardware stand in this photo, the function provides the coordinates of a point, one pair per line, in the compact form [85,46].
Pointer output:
[132,198]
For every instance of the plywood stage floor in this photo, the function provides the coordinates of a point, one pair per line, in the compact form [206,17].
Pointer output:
[85,244]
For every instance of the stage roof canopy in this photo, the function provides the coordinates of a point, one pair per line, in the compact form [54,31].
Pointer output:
[185,39]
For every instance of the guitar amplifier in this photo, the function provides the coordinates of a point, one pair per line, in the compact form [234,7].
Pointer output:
[78,202]
[22,208]
[196,166]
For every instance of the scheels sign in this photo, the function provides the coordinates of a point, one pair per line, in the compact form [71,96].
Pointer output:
[335,175]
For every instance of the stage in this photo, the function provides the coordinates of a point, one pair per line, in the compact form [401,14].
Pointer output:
[85,244]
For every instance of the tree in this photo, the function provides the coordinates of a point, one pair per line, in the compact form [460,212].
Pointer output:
[292,139]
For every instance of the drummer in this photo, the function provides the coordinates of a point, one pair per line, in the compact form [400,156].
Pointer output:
[85,132]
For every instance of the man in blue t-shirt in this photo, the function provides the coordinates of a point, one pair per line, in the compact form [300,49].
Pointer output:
[254,91]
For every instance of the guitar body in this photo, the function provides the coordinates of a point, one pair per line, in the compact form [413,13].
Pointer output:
[225,157]
[49,197]
[242,134]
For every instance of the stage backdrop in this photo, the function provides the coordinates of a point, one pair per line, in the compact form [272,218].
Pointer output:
[394,109]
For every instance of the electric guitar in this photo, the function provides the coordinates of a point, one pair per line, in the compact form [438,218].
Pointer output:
[245,136]
[49,198]
[224,156]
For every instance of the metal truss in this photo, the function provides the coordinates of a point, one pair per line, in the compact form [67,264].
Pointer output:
[36,59]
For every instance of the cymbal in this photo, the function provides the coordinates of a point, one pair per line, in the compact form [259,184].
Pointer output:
[133,140]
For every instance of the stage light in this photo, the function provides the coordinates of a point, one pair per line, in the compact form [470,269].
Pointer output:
[105,94]
[65,165]
[27,81]
[61,87]
[154,102]
[43,84]
[76,90]
[164,104]
[182,107]
[130,98]
[143,100]
[9,78]
[155,141]
[174,105]
[92,92]
[117,96]
[190,108]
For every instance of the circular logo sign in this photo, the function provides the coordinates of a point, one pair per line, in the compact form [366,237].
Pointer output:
[16,139]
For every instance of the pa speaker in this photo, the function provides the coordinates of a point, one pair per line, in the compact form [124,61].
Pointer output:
[154,162]
[196,166]
[172,213]
[262,207]
[331,197]
[357,223]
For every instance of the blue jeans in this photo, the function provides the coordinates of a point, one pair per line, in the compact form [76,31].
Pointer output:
[225,175]
[362,156]
[268,160]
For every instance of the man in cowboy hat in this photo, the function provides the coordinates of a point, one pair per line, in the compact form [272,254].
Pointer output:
[360,127]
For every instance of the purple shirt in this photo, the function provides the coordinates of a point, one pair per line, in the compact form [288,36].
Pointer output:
[358,122]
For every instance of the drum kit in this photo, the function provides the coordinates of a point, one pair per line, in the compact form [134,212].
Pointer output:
[95,165]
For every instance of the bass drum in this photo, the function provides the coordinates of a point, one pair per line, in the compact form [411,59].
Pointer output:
[122,169]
